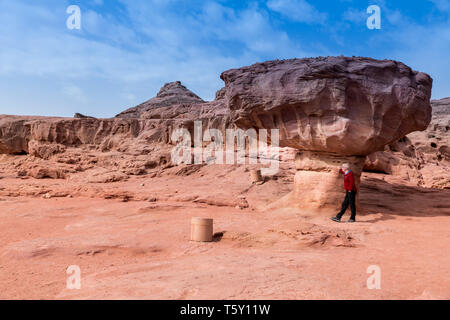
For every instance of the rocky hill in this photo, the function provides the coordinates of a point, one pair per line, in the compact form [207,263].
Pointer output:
[170,95]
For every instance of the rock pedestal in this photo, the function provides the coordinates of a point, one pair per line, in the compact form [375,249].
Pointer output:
[318,183]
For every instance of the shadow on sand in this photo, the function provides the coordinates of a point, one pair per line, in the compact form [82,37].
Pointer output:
[379,196]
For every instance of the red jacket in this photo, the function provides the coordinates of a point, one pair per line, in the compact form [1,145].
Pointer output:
[349,181]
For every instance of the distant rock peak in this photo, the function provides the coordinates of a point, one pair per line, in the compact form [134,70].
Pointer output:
[176,89]
[82,116]
[171,94]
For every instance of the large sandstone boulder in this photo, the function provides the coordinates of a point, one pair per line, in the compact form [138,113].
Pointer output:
[348,106]
[333,110]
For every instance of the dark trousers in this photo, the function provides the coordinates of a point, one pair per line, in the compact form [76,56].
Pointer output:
[350,197]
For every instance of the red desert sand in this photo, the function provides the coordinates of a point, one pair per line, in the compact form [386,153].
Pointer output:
[104,194]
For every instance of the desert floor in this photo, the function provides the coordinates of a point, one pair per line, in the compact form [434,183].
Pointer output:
[128,247]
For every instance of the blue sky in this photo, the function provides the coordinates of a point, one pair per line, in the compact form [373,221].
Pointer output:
[127,49]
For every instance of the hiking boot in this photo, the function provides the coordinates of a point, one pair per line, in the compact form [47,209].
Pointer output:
[351,220]
[335,219]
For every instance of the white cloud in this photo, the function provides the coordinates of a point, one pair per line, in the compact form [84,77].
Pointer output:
[298,10]
[442,5]
[395,17]
[156,45]
[424,47]
[358,16]
[426,53]
[116,62]
[128,96]
[75,92]
[250,26]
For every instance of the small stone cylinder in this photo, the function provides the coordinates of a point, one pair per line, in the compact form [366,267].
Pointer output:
[256,176]
[201,229]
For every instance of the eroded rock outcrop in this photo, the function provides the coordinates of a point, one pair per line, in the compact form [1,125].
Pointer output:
[171,94]
[151,122]
[141,135]
[175,101]
[334,110]
[37,135]
[421,158]
[435,140]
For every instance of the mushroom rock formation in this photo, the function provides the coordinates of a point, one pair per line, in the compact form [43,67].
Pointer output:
[333,110]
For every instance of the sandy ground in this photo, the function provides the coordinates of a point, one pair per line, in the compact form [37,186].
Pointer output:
[136,249]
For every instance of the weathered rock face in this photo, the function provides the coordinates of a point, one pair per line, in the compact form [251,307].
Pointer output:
[347,106]
[421,158]
[396,155]
[337,109]
[151,122]
[436,138]
[129,144]
[43,136]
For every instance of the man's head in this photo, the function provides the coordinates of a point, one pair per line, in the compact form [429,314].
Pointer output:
[345,167]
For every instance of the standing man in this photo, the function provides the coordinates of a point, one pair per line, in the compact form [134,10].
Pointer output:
[350,194]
